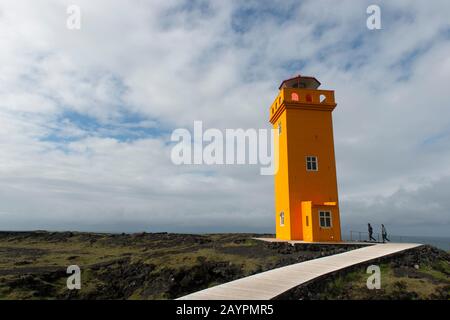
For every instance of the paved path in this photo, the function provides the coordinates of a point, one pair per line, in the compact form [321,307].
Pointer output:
[270,284]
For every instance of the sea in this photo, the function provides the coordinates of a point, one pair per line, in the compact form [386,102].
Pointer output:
[439,242]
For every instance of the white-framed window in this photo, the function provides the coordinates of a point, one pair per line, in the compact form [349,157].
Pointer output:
[325,219]
[311,163]
[282,218]
[279,128]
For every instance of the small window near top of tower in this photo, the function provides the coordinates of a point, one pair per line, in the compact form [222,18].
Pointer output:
[281,218]
[307,221]
[279,128]
[325,219]
[311,163]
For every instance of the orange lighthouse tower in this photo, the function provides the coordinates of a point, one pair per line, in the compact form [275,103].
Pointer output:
[306,194]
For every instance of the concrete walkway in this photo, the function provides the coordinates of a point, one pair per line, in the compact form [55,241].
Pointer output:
[270,284]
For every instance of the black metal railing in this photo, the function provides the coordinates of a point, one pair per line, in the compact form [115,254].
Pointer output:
[364,236]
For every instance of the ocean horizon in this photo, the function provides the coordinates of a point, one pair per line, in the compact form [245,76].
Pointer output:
[439,242]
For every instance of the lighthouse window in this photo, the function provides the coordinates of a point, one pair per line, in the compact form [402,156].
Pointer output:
[325,219]
[281,218]
[311,163]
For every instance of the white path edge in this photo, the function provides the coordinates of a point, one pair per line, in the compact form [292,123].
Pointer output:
[270,284]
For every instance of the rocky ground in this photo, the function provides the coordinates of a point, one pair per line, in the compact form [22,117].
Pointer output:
[165,266]
[135,266]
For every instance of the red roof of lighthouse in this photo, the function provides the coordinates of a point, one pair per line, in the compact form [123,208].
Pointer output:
[300,82]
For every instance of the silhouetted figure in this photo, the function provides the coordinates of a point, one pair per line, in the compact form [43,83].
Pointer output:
[384,234]
[369,227]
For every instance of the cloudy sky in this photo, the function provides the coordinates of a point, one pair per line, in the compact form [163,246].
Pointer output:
[86,115]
